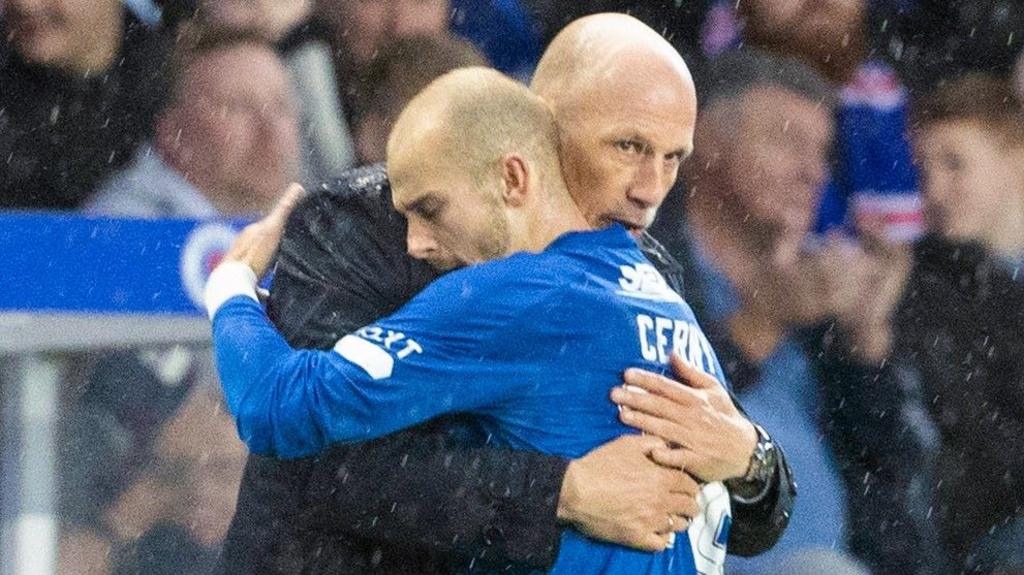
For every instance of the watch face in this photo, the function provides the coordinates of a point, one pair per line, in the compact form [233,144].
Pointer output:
[763,461]
[770,461]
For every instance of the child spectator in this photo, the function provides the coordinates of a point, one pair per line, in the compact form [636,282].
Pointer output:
[969,145]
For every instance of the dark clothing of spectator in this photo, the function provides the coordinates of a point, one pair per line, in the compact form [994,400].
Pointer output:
[165,549]
[962,321]
[886,445]
[933,441]
[929,40]
[424,500]
[60,135]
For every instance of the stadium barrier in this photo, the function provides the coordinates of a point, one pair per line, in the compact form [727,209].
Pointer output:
[72,284]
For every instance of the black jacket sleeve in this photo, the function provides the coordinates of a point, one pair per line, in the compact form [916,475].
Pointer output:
[343,265]
[756,526]
[418,491]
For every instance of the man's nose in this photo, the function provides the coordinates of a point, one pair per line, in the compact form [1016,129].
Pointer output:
[649,186]
[419,243]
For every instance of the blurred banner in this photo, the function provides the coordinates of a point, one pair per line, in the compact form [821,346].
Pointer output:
[66,263]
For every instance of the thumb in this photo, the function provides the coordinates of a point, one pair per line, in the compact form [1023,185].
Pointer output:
[278,216]
[690,375]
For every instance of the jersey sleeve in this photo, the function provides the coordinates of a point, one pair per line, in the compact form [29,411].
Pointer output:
[434,356]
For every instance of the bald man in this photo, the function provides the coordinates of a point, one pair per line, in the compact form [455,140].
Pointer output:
[431,500]
[528,339]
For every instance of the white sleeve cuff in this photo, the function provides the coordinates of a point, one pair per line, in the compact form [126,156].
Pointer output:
[229,279]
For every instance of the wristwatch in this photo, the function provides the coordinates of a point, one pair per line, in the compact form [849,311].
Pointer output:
[756,481]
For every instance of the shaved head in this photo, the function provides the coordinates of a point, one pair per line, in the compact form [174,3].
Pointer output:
[473,163]
[605,51]
[474,116]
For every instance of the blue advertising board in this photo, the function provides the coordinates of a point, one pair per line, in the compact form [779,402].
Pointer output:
[72,263]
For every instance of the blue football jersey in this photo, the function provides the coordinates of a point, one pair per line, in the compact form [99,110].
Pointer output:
[531,345]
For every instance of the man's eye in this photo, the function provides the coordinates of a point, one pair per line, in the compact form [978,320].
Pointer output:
[630,146]
[429,213]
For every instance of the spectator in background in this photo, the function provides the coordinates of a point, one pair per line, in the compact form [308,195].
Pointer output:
[359,30]
[761,152]
[173,517]
[272,20]
[953,312]
[873,173]
[395,76]
[327,146]
[151,464]
[969,145]
[329,48]
[82,80]
[930,41]
[226,144]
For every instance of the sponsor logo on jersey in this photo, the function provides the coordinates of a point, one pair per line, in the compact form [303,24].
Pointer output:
[374,349]
[643,281]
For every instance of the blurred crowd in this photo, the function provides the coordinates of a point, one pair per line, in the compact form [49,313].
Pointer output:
[851,222]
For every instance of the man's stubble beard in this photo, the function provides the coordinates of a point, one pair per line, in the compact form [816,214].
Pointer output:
[495,242]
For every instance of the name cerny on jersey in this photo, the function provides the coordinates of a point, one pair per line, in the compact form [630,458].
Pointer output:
[660,336]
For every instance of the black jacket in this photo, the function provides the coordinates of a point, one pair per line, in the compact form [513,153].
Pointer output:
[961,321]
[61,135]
[932,441]
[419,501]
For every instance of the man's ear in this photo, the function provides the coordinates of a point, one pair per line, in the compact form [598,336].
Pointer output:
[515,173]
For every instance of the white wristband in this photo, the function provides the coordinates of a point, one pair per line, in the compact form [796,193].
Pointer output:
[229,279]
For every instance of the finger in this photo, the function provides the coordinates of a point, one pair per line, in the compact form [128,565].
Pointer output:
[682,523]
[646,444]
[673,458]
[686,484]
[666,522]
[278,216]
[653,542]
[662,428]
[650,404]
[682,505]
[660,385]
[686,373]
